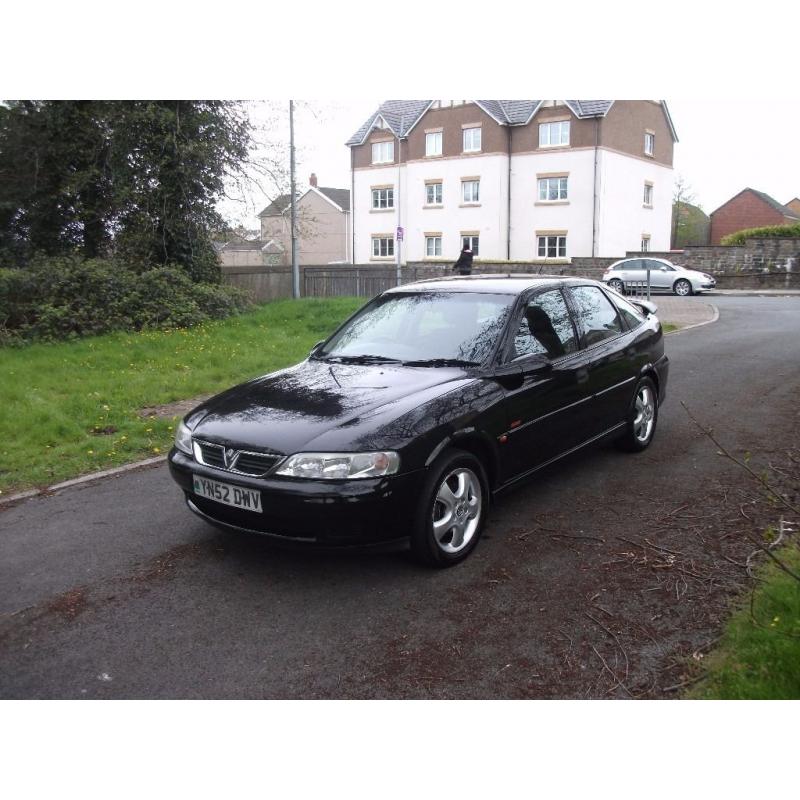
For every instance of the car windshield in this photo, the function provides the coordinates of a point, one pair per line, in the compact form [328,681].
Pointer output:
[423,328]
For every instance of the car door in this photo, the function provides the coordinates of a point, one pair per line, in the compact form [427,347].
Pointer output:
[610,361]
[660,274]
[545,408]
[634,271]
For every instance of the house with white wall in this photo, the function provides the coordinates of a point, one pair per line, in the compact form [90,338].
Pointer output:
[526,180]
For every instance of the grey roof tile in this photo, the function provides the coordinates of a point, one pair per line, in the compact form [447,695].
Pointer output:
[589,108]
[775,204]
[400,115]
[339,196]
[277,206]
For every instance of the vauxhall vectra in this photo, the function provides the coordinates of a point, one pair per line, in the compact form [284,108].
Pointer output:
[421,409]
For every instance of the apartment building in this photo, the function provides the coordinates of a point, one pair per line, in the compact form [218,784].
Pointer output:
[528,180]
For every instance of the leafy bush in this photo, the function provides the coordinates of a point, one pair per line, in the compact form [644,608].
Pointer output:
[767,232]
[67,298]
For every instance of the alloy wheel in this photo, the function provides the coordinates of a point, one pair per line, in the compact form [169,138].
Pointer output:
[645,413]
[683,288]
[457,510]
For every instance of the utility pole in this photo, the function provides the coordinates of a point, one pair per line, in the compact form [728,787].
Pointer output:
[295,264]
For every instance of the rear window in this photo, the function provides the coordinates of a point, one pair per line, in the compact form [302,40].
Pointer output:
[628,312]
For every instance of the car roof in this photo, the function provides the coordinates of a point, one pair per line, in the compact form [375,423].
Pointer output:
[489,284]
[639,258]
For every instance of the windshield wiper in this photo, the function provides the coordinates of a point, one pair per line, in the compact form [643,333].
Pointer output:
[440,362]
[364,358]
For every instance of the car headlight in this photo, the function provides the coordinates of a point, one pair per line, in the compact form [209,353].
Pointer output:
[183,439]
[340,465]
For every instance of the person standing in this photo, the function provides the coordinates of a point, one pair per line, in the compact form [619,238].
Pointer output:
[464,264]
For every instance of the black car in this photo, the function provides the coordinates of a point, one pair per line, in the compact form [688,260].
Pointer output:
[423,407]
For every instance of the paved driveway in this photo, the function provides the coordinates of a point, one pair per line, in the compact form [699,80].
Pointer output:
[115,590]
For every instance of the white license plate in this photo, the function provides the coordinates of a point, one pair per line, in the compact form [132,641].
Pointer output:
[235,496]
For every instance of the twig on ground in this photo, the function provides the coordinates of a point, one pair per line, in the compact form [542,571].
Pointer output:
[613,636]
[611,672]
[568,536]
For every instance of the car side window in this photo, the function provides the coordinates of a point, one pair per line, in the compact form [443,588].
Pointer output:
[545,328]
[633,263]
[655,266]
[597,315]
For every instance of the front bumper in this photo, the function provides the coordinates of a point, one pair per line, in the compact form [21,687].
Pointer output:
[329,513]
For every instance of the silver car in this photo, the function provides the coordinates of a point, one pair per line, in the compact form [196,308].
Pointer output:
[664,276]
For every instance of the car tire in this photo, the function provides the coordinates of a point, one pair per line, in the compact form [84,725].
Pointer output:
[617,285]
[640,426]
[682,288]
[450,519]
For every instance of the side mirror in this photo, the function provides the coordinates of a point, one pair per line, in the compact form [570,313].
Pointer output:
[662,269]
[646,306]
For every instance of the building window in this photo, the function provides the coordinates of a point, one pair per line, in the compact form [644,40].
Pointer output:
[649,144]
[471,240]
[382,198]
[472,140]
[648,194]
[433,144]
[645,244]
[553,134]
[433,194]
[471,191]
[382,246]
[382,152]
[553,188]
[433,246]
[552,246]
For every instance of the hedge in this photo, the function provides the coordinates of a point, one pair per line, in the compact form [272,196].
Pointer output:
[767,232]
[68,298]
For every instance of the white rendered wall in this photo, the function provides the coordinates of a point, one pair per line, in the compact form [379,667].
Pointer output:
[623,217]
[529,216]
[365,220]
[489,218]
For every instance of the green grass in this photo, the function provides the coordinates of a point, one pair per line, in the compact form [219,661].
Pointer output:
[55,397]
[668,327]
[759,655]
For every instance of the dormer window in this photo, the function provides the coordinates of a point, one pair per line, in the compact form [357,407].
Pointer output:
[554,134]
[472,140]
[433,143]
[383,152]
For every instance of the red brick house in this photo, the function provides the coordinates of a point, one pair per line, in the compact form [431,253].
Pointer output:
[749,209]
[794,205]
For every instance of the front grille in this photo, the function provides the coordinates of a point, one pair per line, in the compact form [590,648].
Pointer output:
[242,462]
[212,455]
[255,463]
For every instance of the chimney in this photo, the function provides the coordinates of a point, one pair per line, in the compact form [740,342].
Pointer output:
[313,179]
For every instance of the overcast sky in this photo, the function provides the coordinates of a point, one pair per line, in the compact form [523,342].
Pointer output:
[723,146]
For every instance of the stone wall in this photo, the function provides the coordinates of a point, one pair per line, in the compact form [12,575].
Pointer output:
[755,255]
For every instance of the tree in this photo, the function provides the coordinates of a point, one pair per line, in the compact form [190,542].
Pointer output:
[137,178]
[689,222]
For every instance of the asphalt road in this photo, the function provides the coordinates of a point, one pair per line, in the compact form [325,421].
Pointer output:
[114,590]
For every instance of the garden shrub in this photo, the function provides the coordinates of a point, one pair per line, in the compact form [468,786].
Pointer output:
[67,298]
[767,232]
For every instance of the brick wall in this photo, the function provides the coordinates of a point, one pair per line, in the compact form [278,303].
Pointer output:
[746,210]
